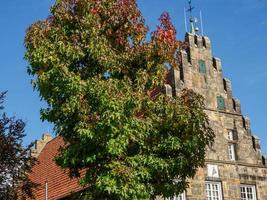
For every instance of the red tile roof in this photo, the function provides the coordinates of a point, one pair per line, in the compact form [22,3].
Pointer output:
[58,181]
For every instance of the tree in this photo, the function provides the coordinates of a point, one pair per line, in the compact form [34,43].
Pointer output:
[15,160]
[94,66]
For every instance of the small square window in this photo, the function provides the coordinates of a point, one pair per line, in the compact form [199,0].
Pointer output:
[202,66]
[220,103]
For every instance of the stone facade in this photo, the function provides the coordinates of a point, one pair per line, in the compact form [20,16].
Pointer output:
[235,159]
[40,144]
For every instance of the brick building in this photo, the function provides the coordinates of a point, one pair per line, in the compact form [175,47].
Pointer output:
[235,168]
[54,182]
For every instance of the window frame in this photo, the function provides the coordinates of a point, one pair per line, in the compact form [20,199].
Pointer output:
[232,151]
[221,103]
[253,192]
[230,135]
[202,66]
[209,195]
[180,196]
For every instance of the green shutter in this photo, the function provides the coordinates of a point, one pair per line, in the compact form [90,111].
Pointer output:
[202,66]
[220,103]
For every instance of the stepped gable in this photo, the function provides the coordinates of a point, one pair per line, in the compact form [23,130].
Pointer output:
[235,168]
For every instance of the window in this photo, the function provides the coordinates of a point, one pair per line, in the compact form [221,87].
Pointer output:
[220,103]
[231,152]
[178,197]
[213,191]
[248,192]
[230,135]
[202,66]
[232,139]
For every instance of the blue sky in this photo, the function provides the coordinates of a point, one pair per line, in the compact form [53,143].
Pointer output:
[237,29]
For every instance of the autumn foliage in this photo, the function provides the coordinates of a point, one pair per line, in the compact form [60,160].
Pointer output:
[95,67]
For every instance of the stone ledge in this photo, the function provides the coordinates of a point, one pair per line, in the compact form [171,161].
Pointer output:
[236,163]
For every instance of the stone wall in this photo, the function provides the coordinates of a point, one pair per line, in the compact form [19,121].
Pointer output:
[231,176]
[40,144]
[224,111]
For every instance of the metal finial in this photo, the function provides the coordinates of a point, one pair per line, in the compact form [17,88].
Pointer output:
[190,9]
[193,21]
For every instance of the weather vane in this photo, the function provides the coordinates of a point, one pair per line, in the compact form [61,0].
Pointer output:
[190,9]
[193,21]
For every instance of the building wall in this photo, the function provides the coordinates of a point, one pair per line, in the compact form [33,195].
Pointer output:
[248,167]
[53,182]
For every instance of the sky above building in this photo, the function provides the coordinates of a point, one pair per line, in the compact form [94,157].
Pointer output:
[237,29]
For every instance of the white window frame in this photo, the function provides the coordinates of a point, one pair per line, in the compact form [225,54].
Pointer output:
[213,190]
[231,135]
[178,197]
[246,194]
[231,151]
